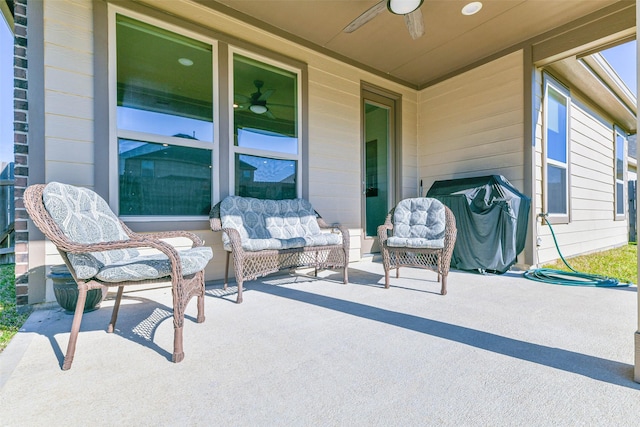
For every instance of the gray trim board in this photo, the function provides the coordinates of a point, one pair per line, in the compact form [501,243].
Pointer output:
[101,98]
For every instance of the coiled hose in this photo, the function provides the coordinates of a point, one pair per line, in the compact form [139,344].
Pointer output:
[573,278]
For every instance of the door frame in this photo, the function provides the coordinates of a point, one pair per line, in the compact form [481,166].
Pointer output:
[393,100]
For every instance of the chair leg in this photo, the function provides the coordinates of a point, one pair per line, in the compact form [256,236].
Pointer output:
[397,272]
[75,328]
[116,307]
[226,271]
[315,261]
[443,290]
[178,350]
[200,279]
[239,270]
[346,275]
[386,278]
[239,298]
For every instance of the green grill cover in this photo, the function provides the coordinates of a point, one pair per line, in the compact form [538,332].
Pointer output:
[492,218]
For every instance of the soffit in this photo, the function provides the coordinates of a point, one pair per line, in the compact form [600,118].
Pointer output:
[591,81]
[451,42]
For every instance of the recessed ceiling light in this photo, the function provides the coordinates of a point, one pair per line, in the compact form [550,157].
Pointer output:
[186,62]
[472,8]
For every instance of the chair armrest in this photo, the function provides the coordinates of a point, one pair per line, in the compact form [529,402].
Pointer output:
[451,230]
[323,225]
[197,241]
[232,233]
[384,230]
[216,224]
[137,242]
[343,230]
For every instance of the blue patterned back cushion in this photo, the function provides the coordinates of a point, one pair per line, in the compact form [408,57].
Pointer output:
[272,224]
[84,217]
[419,218]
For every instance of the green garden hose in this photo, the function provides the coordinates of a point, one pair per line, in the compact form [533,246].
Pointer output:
[573,278]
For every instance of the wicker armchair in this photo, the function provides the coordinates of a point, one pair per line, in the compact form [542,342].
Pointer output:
[418,232]
[101,251]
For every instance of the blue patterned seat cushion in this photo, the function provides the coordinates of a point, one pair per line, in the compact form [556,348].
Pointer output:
[418,223]
[273,224]
[155,266]
[84,217]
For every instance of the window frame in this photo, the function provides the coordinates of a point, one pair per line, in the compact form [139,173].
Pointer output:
[277,155]
[115,133]
[550,82]
[617,131]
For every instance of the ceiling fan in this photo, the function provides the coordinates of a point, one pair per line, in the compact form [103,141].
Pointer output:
[410,9]
[257,102]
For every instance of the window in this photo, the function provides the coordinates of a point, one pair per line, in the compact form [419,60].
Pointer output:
[164,114]
[168,155]
[556,150]
[620,156]
[266,145]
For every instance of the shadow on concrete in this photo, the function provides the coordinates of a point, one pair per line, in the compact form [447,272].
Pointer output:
[581,364]
[138,321]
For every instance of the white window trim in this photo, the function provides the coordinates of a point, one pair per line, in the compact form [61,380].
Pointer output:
[233,149]
[115,134]
[619,132]
[563,91]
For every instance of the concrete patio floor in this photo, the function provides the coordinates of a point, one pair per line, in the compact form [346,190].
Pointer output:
[497,350]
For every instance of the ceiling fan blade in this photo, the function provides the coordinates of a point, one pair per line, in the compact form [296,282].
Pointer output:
[270,115]
[266,94]
[241,99]
[415,23]
[367,16]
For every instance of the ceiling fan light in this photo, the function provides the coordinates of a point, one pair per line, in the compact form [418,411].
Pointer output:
[258,109]
[402,7]
[472,8]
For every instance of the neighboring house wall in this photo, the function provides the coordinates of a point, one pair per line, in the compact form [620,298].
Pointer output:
[334,124]
[592,225]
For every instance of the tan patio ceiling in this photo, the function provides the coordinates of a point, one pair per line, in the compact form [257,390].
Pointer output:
[451,41]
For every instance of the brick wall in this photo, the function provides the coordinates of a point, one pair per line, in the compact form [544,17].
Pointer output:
[21,149]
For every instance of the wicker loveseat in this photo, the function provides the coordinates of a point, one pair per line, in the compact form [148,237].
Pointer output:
[266,236]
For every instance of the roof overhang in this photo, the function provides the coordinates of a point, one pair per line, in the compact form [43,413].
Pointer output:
[594,77]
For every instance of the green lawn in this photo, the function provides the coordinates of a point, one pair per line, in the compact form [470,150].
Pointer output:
[11,319]
[620,263]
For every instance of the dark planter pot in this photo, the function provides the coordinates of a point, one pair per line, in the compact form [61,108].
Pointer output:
[66,292]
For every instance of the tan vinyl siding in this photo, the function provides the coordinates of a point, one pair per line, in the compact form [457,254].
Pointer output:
[592,226]
[334,110]
[68,98]
[68,103]
[472,124]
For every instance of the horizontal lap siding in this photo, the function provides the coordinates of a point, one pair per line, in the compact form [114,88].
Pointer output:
[68,97]
[68,101]
[472,124]
[592,226]
[334,112]
[334,151]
